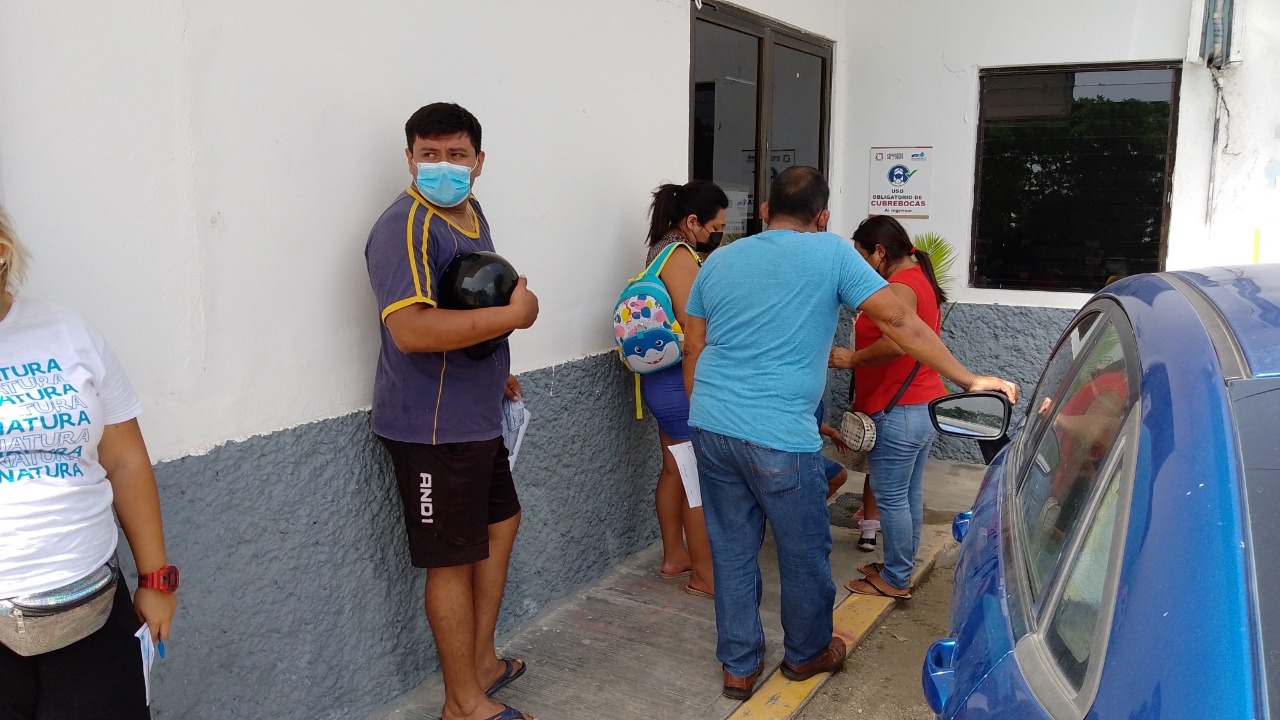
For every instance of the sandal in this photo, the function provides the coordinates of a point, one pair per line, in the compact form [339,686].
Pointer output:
[874,585]
[508,675]
[669,576]
[698,593]
[874,568]
[508,713]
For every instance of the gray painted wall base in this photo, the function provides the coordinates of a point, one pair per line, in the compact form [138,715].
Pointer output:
[298,599]
[1011,341]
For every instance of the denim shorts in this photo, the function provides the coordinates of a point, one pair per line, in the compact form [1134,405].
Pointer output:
[832,468]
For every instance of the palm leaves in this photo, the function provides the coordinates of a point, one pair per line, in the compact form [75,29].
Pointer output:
[941,254]
[943,257]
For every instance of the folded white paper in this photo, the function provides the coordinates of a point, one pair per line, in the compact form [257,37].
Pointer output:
[687,462]
[515,420]
[148,656]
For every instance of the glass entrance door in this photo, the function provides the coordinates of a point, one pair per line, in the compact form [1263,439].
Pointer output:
[755,85]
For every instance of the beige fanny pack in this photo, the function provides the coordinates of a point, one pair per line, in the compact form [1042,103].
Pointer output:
[858,430]
[45,621]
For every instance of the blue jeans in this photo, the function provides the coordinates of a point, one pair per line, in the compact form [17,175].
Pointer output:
[744,484]
[896,463]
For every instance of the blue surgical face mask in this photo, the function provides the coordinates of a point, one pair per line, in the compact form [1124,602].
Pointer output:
[444,184]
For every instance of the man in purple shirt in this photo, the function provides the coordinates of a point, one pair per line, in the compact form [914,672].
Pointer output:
[439,412]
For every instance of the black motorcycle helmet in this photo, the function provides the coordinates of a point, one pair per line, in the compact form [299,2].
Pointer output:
[478,280]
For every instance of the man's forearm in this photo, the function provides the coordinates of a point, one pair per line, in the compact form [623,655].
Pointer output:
[911,334]
[880,352]
[428,329]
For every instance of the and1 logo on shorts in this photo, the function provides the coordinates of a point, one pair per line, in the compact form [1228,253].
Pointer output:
[425,508]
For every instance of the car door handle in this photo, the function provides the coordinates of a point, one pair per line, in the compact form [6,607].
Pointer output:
[960,525]
[937,675]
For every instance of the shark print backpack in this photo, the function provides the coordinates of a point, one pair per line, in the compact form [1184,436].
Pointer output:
[644,322]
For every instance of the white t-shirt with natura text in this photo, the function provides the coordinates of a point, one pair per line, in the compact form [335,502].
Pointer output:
[60,385]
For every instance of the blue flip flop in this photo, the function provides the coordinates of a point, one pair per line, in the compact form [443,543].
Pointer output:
[508,713]
[508,675]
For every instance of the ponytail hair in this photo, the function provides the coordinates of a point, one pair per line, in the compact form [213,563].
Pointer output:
[673,203]
[884,230]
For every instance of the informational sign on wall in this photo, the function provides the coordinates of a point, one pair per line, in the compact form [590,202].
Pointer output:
[900,181]
[740,208]
[779,160]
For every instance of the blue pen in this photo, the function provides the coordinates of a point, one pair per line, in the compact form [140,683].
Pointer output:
[160,647]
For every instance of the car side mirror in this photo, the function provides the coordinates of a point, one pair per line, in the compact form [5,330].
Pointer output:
[975,415]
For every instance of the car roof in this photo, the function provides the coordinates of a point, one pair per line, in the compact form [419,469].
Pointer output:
[1247,297]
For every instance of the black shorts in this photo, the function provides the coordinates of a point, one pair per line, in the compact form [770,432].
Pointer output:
[451,494]
[98,677]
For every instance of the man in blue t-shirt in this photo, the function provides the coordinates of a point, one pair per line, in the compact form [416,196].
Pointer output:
[439,411]
[762,316]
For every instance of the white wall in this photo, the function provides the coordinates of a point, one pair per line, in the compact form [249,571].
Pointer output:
[1226,206]
[915,82]
[95,167]
[199,179]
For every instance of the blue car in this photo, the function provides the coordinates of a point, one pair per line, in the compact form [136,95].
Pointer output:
[1122,559]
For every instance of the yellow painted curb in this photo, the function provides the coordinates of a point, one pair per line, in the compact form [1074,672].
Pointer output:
[853,619]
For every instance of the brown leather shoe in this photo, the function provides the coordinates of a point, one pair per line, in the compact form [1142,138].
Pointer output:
[740,688]
[829,661]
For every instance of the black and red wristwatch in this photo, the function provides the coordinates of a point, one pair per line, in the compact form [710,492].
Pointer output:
[165,579]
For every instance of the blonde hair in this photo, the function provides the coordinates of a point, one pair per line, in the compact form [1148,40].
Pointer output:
[13,266]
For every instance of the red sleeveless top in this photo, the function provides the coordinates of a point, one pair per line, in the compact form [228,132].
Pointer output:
[875,385]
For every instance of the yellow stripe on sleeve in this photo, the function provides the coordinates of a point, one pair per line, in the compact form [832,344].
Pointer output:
[426,230]
[413,266]
[400,304]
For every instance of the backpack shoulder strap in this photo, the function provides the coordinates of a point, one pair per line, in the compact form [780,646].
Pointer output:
[660,262]
[639,399]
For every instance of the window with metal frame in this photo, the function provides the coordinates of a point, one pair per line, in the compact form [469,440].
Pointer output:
[1074,174]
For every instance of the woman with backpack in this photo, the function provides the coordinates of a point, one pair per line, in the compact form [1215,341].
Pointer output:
[895,391]
[692,215]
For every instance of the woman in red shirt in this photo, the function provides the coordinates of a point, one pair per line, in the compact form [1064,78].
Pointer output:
[883,372]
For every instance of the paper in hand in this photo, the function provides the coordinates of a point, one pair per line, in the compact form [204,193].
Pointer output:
[687,462]
[148,656]
[515,420]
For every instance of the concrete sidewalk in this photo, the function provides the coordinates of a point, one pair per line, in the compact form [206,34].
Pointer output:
[633,645]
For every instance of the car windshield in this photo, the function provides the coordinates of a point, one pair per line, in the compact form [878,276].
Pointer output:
[1256,405]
